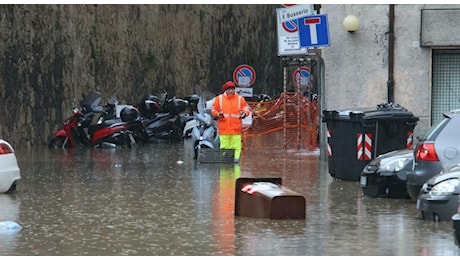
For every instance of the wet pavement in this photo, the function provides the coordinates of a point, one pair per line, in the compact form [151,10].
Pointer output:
[156,200]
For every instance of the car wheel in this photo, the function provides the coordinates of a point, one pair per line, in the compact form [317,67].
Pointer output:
[12,188]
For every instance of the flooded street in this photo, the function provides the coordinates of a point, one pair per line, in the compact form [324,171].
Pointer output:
[157,201]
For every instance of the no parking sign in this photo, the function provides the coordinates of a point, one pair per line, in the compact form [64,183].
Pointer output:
[302,77]
[244,76]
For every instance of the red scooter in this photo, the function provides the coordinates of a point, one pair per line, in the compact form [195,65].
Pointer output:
[108,132]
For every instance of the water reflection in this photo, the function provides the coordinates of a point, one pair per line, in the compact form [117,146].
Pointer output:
[222,210]
[156,200]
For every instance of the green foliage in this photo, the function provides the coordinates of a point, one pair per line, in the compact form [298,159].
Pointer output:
[95,53]
[152,60]
[202,15]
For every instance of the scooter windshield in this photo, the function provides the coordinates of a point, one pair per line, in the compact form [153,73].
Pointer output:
[207,99]
[91,102]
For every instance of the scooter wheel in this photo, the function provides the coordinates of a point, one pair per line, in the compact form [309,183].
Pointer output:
[59,142]
[176,135]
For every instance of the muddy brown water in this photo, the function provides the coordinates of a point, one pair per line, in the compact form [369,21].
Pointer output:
[157,201]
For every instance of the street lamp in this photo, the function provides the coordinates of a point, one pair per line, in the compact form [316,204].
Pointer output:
[351,23]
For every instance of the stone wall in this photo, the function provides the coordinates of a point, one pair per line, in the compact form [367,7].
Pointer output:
[52,54]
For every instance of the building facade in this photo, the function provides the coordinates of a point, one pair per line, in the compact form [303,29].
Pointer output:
[408,54]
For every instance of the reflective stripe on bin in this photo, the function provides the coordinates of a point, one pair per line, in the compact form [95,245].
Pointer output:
[329,150]
[249,189]
[366,146]
[267,187]
[410,139]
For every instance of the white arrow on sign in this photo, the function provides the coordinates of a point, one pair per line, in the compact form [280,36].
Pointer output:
[295,12]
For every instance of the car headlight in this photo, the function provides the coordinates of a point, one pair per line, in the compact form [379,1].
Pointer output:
[395,165]
[444,188]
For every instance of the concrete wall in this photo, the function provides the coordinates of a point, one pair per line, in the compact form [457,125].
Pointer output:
[357,63]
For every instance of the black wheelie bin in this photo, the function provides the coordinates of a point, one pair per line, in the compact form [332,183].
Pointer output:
[355,137]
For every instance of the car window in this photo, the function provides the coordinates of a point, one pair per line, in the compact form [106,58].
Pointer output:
[433,132]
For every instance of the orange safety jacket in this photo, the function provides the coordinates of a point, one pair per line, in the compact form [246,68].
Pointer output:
[231,107]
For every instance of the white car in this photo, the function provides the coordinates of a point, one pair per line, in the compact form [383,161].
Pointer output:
[9,169]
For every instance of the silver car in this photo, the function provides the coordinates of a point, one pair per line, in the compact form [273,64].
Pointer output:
[437,150]
[9,169]
[438,198]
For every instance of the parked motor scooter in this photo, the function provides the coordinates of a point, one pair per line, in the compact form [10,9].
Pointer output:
[189,119]
[204,132]
[207,99]
[166,124]
[74,132]
[115,115]
[78,130]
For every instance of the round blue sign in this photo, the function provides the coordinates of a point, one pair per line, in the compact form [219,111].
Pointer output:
[244,76]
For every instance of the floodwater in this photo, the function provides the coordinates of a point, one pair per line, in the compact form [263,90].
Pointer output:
[157,201]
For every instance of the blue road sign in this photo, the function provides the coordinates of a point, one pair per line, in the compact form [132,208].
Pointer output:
[313,31]
[244,75]
[291,26]
[302,77]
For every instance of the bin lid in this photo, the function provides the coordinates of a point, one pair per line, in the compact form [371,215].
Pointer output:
[383,111]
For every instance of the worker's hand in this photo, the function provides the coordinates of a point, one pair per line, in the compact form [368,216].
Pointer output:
[242,114]
[220,115]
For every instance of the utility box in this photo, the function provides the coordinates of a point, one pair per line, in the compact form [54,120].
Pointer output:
[355,137]
[209,155]
[267,198]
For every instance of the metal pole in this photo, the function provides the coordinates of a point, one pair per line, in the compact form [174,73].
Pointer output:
[299,119]
[322,106]
[391,50]
[376,138]
[284,105]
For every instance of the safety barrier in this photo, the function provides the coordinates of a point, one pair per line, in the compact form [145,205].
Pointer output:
[288,122]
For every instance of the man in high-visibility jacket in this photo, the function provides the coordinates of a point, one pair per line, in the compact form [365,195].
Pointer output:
[230,108]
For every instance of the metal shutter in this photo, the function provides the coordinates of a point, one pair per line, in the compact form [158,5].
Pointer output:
[445,91]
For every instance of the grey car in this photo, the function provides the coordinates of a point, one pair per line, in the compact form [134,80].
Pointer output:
[438,198]
[437,150]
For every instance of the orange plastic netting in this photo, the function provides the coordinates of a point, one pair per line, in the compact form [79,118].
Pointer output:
[288,122]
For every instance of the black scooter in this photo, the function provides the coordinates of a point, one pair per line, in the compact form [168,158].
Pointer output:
[162,118]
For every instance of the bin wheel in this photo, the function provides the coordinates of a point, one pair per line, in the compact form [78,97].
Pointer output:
[370,191]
